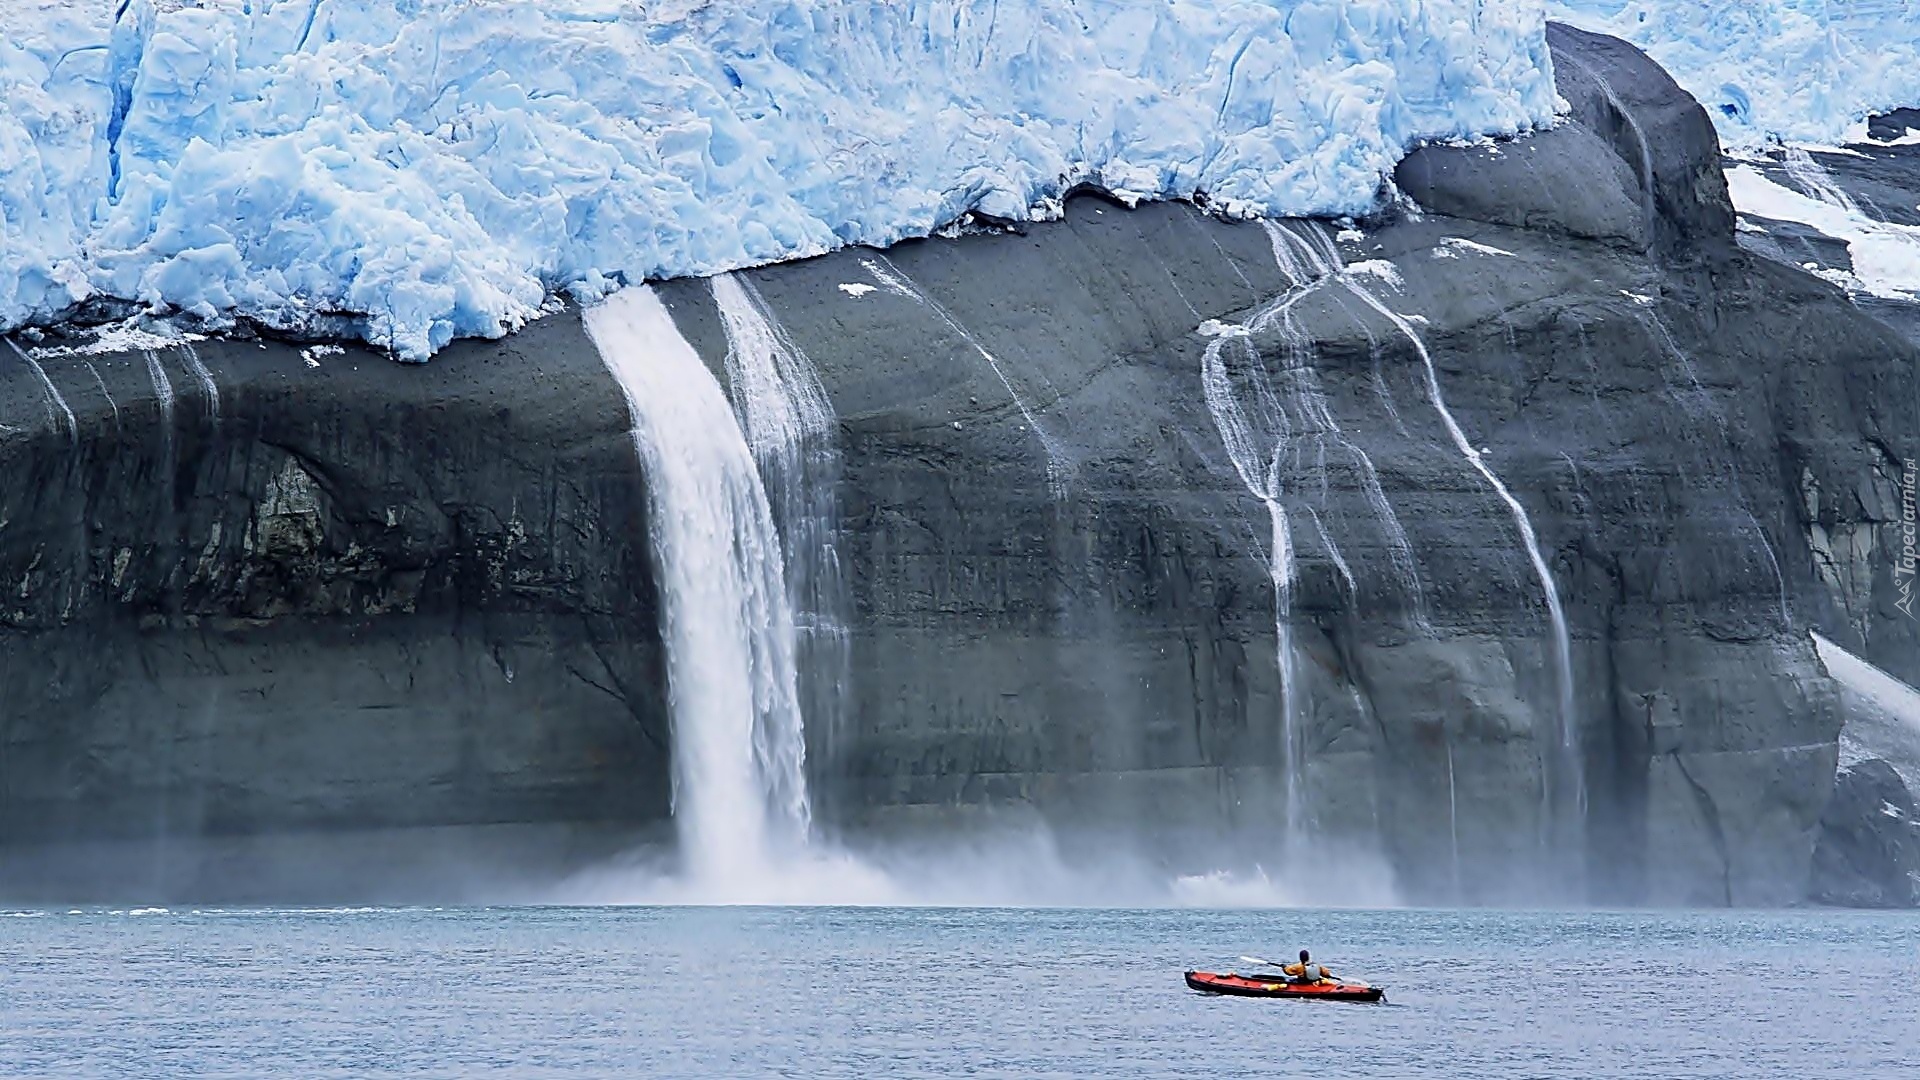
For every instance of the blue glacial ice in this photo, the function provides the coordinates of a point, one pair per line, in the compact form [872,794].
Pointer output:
[412,171]
[1805,71]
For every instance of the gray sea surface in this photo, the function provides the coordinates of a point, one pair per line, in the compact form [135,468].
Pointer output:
[940,992]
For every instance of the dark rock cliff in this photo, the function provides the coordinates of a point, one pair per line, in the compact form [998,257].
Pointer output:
[1869,850]
[365,597]
[246,595]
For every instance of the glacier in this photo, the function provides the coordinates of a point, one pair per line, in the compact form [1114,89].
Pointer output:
[1802,71]
[409,171]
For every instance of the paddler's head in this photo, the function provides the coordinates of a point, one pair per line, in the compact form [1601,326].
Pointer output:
[1303,956]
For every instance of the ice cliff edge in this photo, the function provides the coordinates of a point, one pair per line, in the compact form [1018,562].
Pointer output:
[408,172]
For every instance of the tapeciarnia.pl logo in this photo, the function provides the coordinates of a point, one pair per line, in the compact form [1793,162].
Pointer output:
[1903,567]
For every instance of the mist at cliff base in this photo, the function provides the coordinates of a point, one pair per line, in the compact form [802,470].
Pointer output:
[1020,866]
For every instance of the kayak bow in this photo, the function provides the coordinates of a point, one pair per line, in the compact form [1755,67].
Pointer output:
[1208,982]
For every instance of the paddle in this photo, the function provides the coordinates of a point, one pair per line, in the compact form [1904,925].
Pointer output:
[1343,982]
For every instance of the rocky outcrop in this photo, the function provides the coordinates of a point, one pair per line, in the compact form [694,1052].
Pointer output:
[1869,849]
[1893,125]
[372,596]
[1854,500]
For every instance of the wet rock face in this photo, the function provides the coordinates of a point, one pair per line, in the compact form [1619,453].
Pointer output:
[1869,849]
[245,595]
[301,615]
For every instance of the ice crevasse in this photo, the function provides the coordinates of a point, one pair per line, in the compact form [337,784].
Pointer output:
[412,171]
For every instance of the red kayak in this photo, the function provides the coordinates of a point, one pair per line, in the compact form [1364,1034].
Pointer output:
[1208,982]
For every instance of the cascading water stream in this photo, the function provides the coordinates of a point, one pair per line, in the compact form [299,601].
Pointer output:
[789,425]
[1266,415]
[1453,819]
[57,411]
[739,785]
[1815,182]
[1564,758]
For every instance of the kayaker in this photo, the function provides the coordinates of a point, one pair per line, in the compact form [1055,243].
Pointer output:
[1306,972]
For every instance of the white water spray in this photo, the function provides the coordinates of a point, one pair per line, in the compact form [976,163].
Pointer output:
[739,786]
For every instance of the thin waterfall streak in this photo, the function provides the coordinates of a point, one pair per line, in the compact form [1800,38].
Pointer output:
[1174,284]
[1813,179]
[1260,474]
[1290,407]
[890,279]
[1059,465]
[162,386]
[1293,756]
[1766,545]
[1333,552]
[1705,405]
[1710,407]
[1315,264]
[1379,380]
[1639,135]
[205,378]
[64,417]
[1232,264]
[1320,464]
[778,395]
[1453,818]
[104,392]
[1567,749]
[1399,547]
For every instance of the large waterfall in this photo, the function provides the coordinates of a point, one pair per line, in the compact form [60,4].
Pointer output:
[739,785]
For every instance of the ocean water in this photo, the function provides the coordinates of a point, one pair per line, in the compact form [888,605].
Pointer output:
[878,992]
